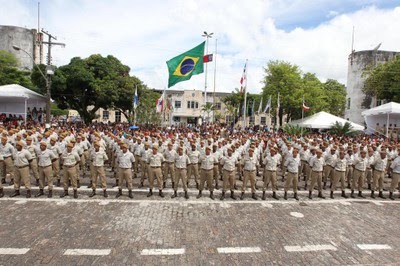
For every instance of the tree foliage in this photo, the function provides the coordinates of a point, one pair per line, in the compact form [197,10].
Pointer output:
[345,129]
[292,85]
[383,81]
[9,72]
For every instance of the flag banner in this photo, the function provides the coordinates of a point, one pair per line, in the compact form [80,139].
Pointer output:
[260,106]
[305,108]
[243,79]
[184,66]
[252,108]
[268,105]
[208,58]
[135,100]
[160,103]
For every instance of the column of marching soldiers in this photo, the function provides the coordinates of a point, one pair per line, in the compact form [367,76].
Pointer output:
[65,156]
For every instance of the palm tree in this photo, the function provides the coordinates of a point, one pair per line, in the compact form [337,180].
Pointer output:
[230,110]
[207,108]
[339,129]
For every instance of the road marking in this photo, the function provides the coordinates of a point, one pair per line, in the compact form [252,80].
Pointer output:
[13,251]
[20,202]
[309,248]
[104,202]
[267,205]
[228,250]
[297,214]
[373,246]
[162,251]
[87,252]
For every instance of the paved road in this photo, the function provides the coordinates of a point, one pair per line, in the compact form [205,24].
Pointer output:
[198,232]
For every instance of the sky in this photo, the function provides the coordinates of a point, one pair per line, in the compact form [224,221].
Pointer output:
[315,35]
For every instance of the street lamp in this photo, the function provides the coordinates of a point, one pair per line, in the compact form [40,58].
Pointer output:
[48,84]
[207,35]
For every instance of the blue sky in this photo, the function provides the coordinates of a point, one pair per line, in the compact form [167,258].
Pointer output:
[315,35]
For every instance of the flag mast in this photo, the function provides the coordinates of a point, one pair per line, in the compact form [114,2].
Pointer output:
[302,115]
[245,98]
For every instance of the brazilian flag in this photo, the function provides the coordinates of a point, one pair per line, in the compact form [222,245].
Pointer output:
[183,66]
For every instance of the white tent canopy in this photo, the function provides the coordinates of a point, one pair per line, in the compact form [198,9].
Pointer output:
[16,99]
[383,116]
[323,120]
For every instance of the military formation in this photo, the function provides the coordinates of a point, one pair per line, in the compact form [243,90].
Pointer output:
[213,159]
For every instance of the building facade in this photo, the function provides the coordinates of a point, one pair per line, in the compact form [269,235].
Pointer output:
[102,115]
[357,101]
[27,39]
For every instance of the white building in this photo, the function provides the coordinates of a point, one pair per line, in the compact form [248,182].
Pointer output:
[358,63]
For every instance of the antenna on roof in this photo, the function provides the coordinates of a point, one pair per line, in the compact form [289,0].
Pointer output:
[377,47]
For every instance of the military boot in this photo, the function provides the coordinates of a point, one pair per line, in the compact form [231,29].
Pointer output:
[211,195]
[16,193]
[75,194]
[150,193]
[28,193]
[40,193]
[254,196]
[199,195]
[161,194]
[130,194]
[381,195]
[50,195]
[233,195]
[93,193]
[64,194]
[174,195]
[119,193]
[274,195]
[222,196]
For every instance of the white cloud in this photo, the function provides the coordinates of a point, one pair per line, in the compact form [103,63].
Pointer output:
[144,35]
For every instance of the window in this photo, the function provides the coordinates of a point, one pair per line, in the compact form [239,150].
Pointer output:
[348,103]
[251,120]
[106,115]
[217,106]
[118,116]
[176,119]
[263,120]
[192,105]
[178,104]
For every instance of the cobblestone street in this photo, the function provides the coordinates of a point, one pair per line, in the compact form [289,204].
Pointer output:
[198,231]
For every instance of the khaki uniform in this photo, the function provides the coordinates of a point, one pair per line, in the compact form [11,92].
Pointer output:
[56,164]
[360,165]
[125,161]
[395,166]
[181,163]
[155,161]
[229,173]
[270,167]
[45,168]
[207,170]
[169,165]
[380,166]
[98,158]
[21,170]
[69,162]
[249,167]
[7,166]
[316,165]
[292,165]
[193,168]
[339,174]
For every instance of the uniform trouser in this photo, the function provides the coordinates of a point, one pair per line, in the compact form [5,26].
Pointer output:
[339,176]
[328,173]
[35,168]
[86,156]
[56,169]
[249,175]
[77,172]
[395,182]
[125,174]
[215,172]
[169,168]
[228,177]
[70,173]
[91,167]
[378,177]
[239,169]
[7,167]
[269,176]
[22,174]
[308,173]
[303,168]
[155,172]
[292,178]
[193,169]
[180,174]
[137,164]
[349,175]
[46,173]
[358,179]
[145,171]
[207,176]
[82,164]
[369,176]
[316,178]
[98,172]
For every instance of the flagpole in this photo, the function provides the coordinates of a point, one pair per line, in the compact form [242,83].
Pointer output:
[277,113]
[207,35]
[215,77]
[302,115]
[135,107]
[245,98]
[269,113]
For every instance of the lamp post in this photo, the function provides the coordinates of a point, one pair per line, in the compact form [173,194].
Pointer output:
[207,35]
[46,78]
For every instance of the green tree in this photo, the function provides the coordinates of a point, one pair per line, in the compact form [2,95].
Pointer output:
[9,72]
[146,110]
[335,97]
[383,82]
[345,129]
[92,83]
[207,108]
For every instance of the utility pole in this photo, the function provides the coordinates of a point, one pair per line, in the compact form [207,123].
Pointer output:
[49,71]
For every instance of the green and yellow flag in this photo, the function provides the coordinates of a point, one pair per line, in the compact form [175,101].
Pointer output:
[183,66]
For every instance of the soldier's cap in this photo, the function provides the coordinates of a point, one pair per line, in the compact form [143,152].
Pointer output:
[155,146]
[19,143]
[29,138]
[383,151]
[96,144]
[230,148]
[43,144]
[319,151]
[39,136]
[79,137]
[47,134]
[208,148]
[363,151]
[251,149]
[73,141]
[169,143]
[53,139]
[147,144]
[5,138]
[70,145]
[124,146]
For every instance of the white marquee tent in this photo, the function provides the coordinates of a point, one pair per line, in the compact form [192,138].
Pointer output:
[323,120]
[16,99]
[386,114]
